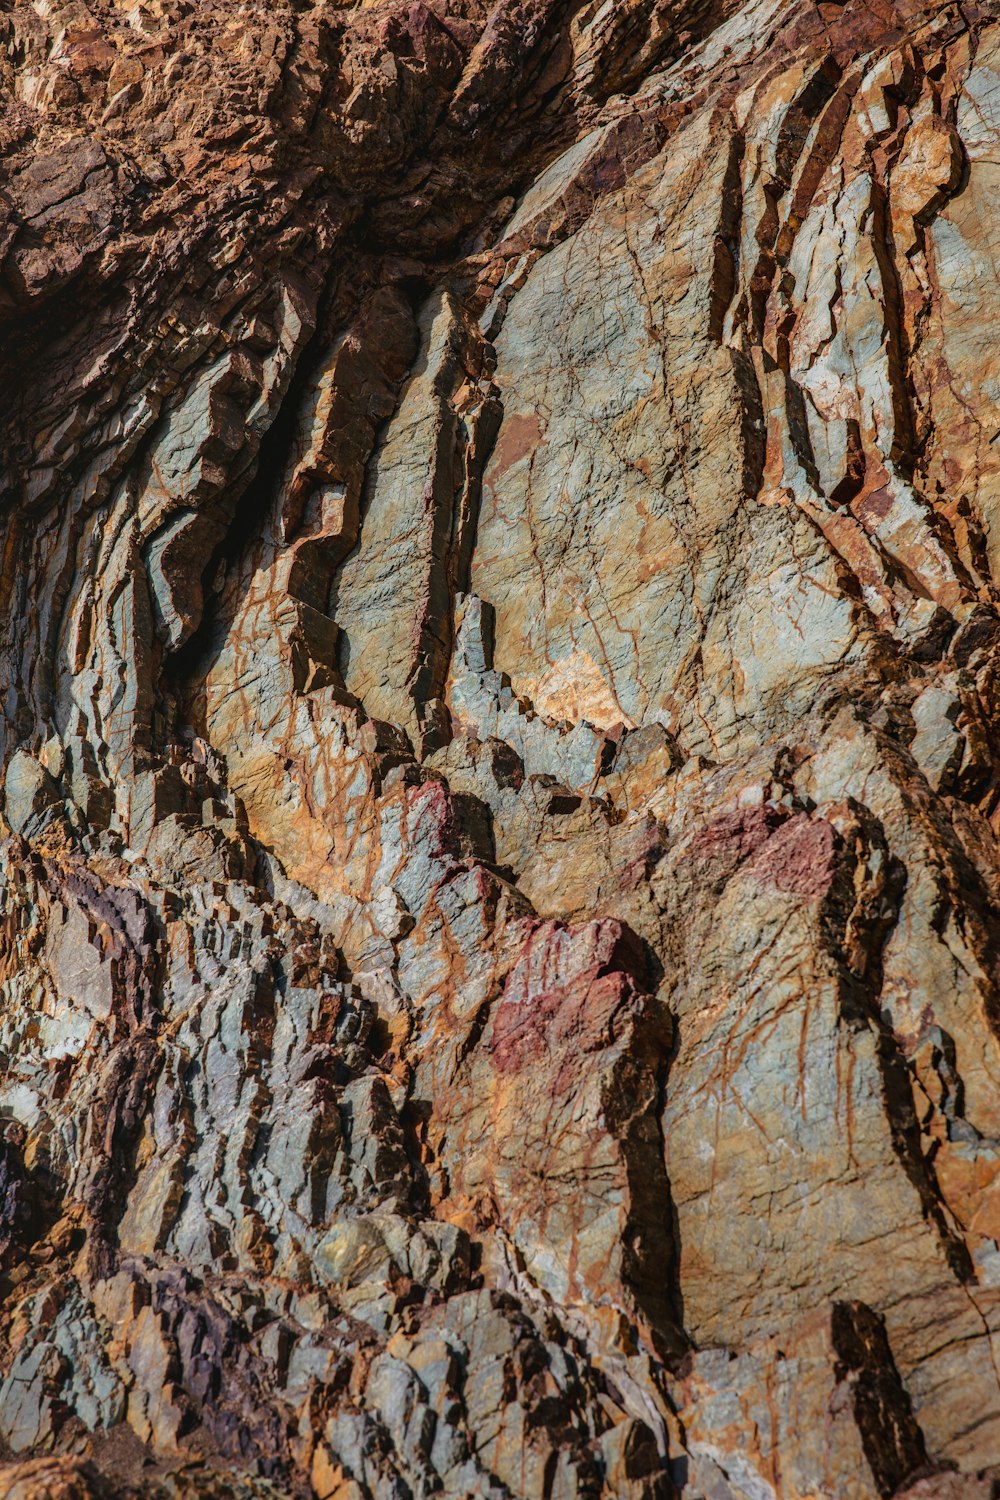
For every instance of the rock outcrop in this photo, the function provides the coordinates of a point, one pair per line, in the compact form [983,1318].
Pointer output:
[500,864]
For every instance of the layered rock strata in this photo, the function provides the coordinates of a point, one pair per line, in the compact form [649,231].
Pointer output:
[499,912]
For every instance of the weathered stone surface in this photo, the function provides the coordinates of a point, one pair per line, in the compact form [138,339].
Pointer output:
[499,885]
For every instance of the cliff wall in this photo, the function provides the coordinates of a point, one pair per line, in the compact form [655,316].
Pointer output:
[500,680]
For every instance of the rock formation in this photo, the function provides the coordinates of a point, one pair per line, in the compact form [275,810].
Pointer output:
[499,906]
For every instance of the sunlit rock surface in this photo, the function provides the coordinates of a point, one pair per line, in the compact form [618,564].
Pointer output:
[499,911]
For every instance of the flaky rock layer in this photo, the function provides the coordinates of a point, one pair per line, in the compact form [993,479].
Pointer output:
[499,913]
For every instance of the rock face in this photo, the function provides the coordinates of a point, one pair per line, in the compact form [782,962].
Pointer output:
[499,906]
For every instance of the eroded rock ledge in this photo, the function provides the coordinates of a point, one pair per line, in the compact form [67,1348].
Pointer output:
[499,986]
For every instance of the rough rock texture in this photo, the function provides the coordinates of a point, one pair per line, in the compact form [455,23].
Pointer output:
[499,910]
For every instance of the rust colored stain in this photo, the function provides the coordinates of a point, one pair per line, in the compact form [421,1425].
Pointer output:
[874,506]
[519,436]
[741,833]
[793,853]
[576,1020]
[801,857]
[564,992]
